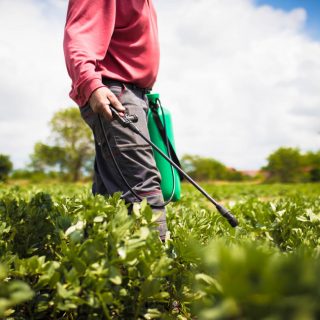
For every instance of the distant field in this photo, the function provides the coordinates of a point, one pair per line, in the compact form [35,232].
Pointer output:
[65,254]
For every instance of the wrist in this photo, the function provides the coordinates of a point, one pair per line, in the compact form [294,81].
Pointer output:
[91,87]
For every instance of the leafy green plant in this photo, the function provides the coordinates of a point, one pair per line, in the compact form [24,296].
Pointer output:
[65,254]
[12,293]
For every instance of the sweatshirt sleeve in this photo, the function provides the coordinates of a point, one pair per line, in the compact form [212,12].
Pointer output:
[88,30]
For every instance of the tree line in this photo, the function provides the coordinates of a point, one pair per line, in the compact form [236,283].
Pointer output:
[69,154]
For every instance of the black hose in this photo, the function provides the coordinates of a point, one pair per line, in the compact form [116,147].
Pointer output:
[222,210]
[123,177]
[168,152]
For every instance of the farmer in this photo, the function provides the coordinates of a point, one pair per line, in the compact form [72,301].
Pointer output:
[112,55]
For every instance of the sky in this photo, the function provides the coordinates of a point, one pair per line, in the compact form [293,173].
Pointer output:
[312,8]
[240,77]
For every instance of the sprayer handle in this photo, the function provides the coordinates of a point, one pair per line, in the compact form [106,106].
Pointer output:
[228,215]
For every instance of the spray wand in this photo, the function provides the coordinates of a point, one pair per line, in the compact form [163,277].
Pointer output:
[128,121]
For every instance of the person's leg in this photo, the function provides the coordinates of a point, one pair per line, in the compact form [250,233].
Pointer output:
[97,185]
[133,155]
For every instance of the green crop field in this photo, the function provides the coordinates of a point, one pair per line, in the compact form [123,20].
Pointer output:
[65,254]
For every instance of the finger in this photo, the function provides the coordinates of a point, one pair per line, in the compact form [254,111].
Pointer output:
[106,112]
[115,102]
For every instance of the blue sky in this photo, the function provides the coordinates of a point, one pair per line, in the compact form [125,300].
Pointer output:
[311,6]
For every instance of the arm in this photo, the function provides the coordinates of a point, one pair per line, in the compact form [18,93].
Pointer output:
[88,30]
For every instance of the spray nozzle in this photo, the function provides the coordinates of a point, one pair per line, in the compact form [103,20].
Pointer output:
[132,117]
[126,120]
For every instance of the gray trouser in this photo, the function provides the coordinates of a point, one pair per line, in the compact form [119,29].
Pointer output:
[132,154]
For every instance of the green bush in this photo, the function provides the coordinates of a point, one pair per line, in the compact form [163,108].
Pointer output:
[65,254]
[5,167]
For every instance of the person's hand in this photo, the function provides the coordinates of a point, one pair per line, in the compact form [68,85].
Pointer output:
[101,99]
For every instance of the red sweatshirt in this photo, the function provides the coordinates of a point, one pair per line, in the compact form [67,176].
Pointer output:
[117,39]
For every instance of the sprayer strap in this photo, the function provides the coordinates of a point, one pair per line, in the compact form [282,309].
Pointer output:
[164,137]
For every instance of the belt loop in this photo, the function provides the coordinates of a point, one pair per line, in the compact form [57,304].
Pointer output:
[123,88]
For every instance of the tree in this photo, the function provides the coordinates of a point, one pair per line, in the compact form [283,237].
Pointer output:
[311,161]
[72,145]
[5,167]
[48,156]
[285,165]
[201,168]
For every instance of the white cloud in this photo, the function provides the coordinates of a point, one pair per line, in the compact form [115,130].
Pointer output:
[240,80]
[33,80]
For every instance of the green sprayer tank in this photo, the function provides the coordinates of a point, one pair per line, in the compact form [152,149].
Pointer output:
[167,180]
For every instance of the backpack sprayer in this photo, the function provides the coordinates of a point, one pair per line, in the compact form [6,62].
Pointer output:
[170,159]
